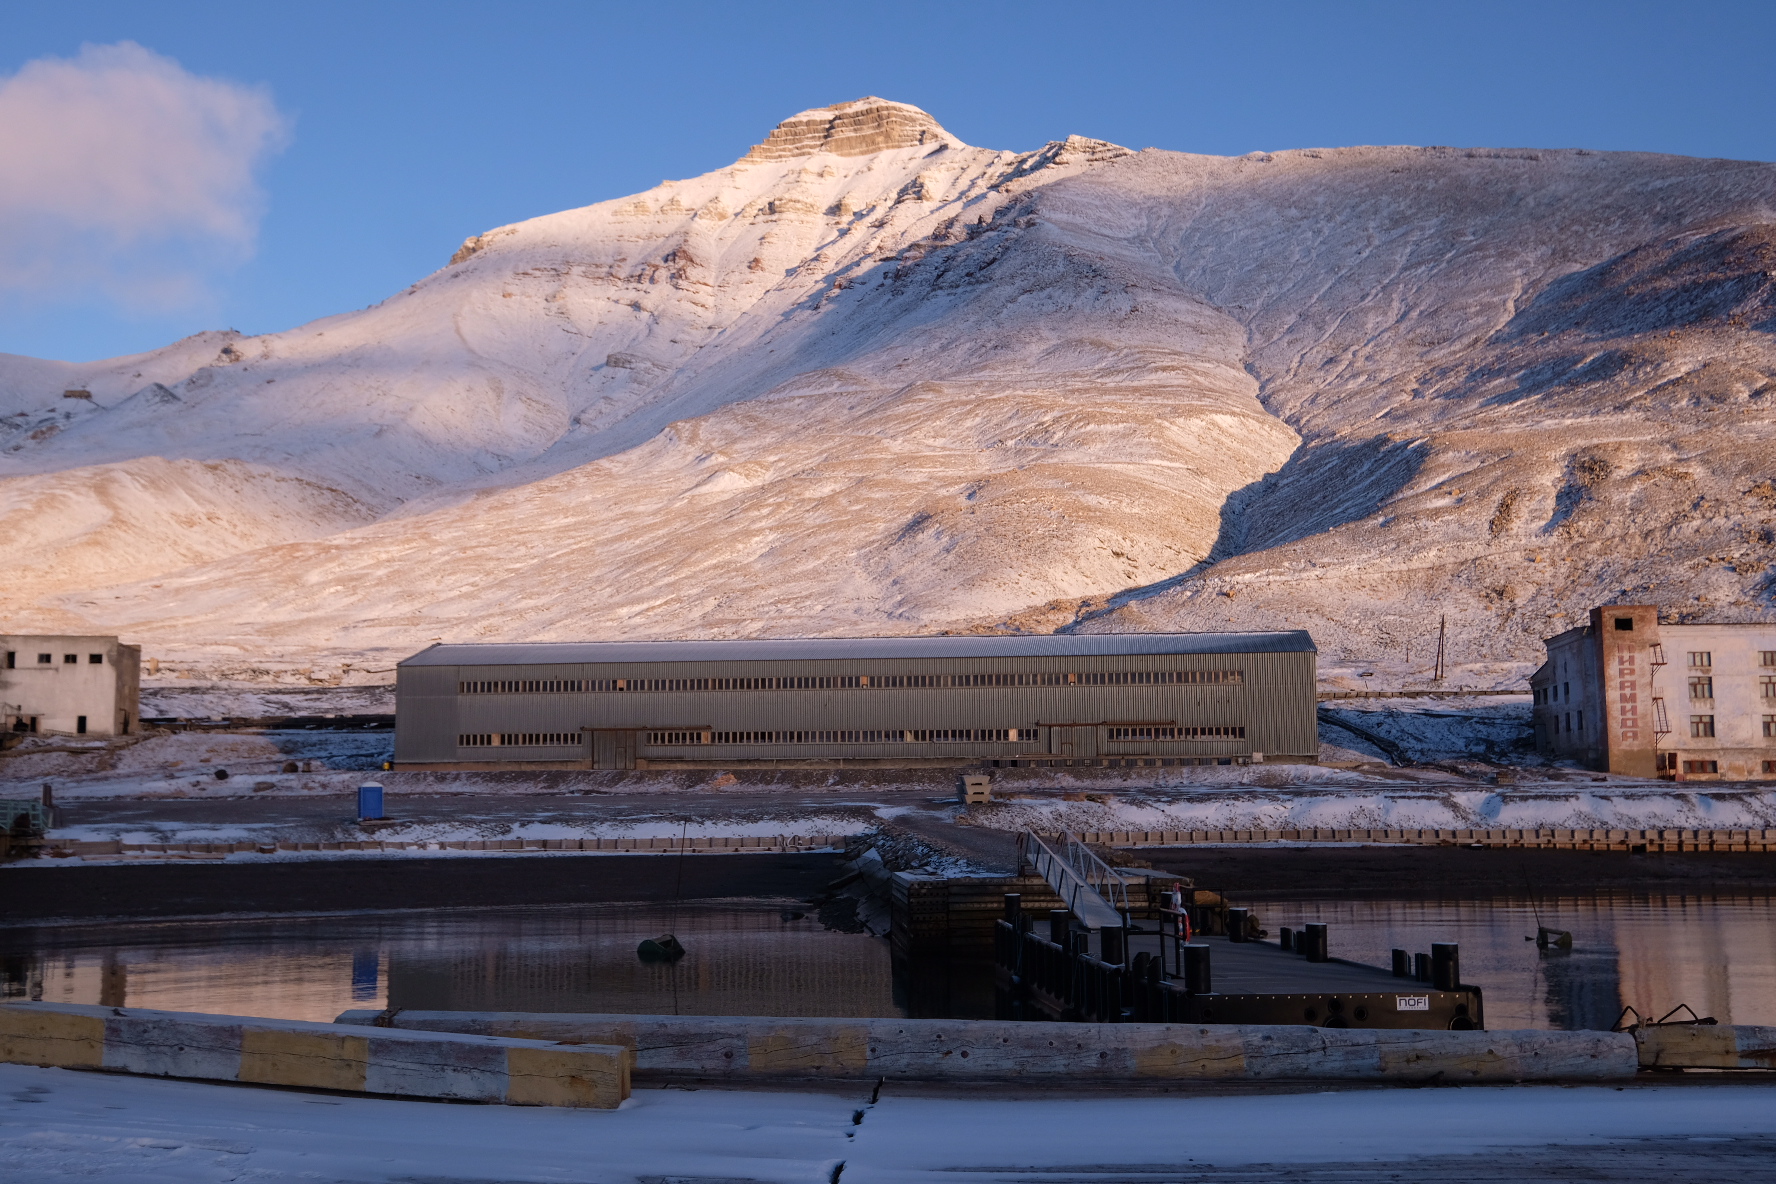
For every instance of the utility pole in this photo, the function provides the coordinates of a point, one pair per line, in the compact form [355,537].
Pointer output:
[1442,636]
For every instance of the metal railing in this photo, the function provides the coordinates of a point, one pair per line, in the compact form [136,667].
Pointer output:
[1089,887]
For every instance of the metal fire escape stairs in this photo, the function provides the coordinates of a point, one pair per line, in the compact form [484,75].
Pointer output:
[1661,721]
[1092,891]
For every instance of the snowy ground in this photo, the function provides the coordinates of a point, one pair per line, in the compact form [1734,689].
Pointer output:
[183,699]
[1470,766]
[64,1125]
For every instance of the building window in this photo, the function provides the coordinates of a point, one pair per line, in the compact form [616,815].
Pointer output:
[1581,714]
[1569,721]
[95,659]
[71,659]
[1767,687]
[1701,726]
[80,725]
[1770,766]
[1089,678]
[520,740]
[1701,658]
[1767,657]
[1702,688]
[1770,727]
[1701,766]
[45,659]
[1625,624]
[11,660]
[861,736]
[1184,733]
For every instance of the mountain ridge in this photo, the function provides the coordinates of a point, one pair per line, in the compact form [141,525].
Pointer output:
[928,386]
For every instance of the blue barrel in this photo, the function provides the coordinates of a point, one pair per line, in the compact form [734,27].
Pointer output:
[369,802]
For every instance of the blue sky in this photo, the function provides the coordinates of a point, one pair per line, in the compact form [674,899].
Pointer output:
[401,128]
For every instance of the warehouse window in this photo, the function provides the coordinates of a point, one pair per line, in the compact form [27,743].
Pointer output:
[1701,726]
[11,660]
[95,659]
[859,736]
[520,740]
[1701,766]
[1702,688]
[70,659]
[1767,687]
[1770,727]
[43,659]
[854,681]
[80,725]
[1767,657]
[1701,658]
[1214,732]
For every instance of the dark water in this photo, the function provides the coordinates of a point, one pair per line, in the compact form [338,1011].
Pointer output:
[738,961]
[1716,953]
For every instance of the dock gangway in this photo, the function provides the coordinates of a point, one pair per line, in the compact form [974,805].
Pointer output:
[1090,888]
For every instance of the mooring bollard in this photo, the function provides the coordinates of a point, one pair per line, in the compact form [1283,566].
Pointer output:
[1286,938]
[1445,965]
[1060,923]
[1112,946]
[1198,979]
[1014,907]
[1317,947]
[1236,924]
[1402,964]
[1421,967]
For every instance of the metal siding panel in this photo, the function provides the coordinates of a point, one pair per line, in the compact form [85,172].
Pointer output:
[425,713]
[1275,701]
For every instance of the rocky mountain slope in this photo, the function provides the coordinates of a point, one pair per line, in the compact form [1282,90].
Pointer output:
[871,379]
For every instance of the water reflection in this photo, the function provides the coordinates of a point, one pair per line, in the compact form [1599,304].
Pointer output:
[740,961]
[1716,953]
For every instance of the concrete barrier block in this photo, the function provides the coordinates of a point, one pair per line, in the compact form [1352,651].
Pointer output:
[1707,1046]
[352,1058]
[313,1059]
[57,1039]
[739,1049]
[172,1046]
[586,1076]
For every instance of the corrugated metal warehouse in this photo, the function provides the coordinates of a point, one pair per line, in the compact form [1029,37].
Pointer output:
[1095,699]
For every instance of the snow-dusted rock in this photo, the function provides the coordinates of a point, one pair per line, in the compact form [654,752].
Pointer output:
[870,379]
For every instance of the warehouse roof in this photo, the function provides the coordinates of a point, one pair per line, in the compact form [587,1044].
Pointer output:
[1072,645]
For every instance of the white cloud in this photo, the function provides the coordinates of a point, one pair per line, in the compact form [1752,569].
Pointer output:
[124,176]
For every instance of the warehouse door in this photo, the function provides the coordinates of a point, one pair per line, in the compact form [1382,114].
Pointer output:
[613,749]
[1073,740]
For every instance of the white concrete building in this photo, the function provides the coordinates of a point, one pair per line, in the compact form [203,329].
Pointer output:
[1629,693]
[78,686]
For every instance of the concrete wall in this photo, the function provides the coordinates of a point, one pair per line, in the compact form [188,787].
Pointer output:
[1736,673]
[1596,695]
[317,1056]
[52,696]
[750,1049]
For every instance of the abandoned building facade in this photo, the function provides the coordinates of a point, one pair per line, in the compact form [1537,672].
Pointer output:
[1628,693]
[72,685]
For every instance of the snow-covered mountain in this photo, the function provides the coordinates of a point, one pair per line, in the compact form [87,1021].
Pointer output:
[871,379]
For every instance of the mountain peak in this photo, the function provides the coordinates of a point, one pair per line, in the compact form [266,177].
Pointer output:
[856,128]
